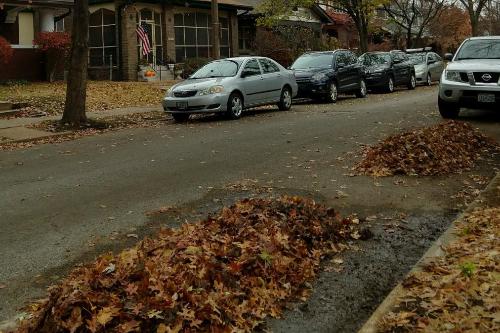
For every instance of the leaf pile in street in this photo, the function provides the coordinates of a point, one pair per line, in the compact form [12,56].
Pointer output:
[445,148]
[227,273]
[101,95]
[459,292]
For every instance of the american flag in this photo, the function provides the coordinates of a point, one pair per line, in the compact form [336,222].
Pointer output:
[142,33]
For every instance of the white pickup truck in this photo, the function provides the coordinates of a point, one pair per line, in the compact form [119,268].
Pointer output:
[472,78]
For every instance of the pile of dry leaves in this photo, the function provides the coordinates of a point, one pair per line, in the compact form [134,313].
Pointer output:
[224,274]
[441,149]
[461,291]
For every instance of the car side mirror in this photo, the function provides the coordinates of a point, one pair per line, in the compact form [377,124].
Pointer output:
[431,61]
[340,65]
[448,56]
[245,74]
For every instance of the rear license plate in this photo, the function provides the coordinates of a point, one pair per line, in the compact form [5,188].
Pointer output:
[181,105]
[486,98]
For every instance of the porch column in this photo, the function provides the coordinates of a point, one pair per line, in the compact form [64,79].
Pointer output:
[130,58]
[169,33]
[46,20]
[234,34]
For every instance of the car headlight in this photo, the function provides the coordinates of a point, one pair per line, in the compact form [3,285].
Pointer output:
[211,90]
[170,92]
[453,76]
[318,77]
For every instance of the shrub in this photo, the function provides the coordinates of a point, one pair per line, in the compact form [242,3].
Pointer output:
[272,45]
[5,51]
[56,46]
[191,65]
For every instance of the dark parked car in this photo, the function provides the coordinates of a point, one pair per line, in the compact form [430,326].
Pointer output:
[386,70]
[323,75]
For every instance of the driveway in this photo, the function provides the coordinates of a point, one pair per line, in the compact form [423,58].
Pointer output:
[64,204]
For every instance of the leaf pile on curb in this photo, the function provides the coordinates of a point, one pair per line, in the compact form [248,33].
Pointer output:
[459,292]
[441,149]
[227,273]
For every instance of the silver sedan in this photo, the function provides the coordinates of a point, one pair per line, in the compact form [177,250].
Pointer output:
[230,86]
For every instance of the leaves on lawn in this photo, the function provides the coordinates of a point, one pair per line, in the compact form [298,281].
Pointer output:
[459,292]
[445,148]
[227,273]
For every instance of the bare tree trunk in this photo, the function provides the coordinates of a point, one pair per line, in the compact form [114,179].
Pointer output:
[76,94]
[474,25]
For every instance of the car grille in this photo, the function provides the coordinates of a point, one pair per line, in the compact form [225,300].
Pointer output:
[185,93]
[486,77]
[303,79]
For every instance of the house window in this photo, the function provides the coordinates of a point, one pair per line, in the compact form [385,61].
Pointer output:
[102,38]
[59,26]
[193,36]
[246,38]
[152,20]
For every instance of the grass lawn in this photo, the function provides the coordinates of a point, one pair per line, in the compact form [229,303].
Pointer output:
[101,95]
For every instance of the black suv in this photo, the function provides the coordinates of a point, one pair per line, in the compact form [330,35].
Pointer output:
[385,70]
[323,75]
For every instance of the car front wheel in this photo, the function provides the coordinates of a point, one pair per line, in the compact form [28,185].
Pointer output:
[448,110]
[285,102]
[333,93]
[413,82]
[180,117]
[234,106]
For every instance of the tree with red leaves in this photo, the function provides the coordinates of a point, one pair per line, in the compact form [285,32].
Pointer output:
[5,51]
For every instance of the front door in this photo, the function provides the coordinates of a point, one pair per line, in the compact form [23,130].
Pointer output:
[272,80]
[252,83]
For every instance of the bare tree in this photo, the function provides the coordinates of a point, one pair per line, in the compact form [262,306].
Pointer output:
[76,93]
[475,9]
[414,16]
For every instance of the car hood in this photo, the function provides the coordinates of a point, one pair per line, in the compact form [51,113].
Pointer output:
[420,67]
[309,72]
[479,65]
[199,84]
[376,68]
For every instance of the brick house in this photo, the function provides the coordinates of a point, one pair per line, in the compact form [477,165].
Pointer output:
[20,20]
[177,30]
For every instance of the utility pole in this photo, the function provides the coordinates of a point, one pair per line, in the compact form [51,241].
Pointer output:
[215,30]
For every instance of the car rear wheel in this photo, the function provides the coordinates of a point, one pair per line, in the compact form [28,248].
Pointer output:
[333,93]
[448,110]
[285,102]
[413,82]
[361,93]
[180,117]
[429,80]
[390,85]
[234,106]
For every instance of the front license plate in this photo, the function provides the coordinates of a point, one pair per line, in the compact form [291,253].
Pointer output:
[181,105]
[486,98]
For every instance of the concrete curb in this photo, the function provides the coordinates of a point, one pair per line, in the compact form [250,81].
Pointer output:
[51,135]
[371,325]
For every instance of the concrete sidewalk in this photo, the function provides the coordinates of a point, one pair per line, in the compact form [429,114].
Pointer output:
[489,198]
[17,129]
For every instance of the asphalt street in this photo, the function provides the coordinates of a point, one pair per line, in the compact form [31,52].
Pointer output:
[65,203]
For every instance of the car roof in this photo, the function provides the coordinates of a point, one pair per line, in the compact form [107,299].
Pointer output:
[483,37]
[325,52]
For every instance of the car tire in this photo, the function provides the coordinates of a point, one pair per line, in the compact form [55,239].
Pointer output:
[390,85]
[285,102]
[234,106]
[413,82]
[429,80]
[362,91]
[180,117]
[448,110]
[333,93]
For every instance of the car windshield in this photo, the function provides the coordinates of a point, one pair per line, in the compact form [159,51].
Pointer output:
[320,60]
[221,68]
[417,58]
[372,59]
[480,49]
